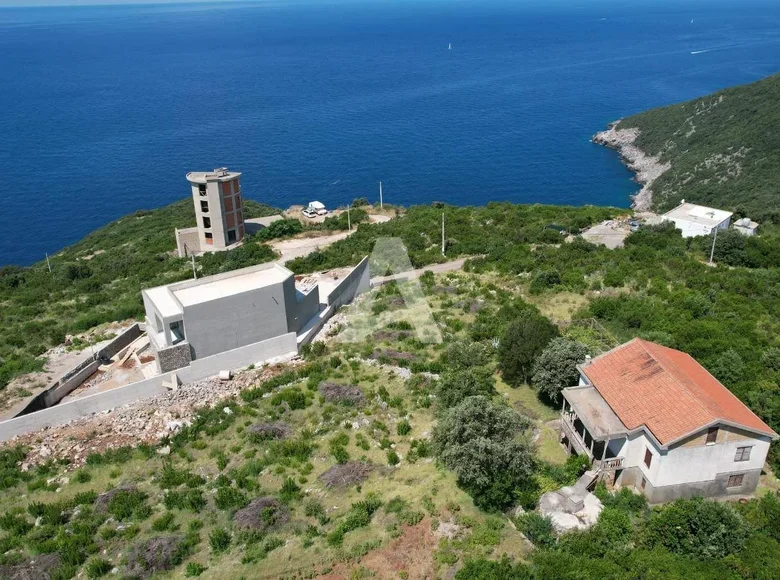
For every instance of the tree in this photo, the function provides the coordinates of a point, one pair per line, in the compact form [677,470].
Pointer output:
[461,354]
[524,340]
[479,440]
[455,386]
[728,368]
[556,367]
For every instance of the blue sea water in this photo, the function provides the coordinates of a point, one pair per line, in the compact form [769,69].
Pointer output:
[103,109]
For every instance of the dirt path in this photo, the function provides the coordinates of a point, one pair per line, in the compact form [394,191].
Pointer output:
[412,274]
[299,247]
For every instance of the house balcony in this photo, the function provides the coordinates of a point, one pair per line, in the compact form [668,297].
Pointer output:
[589,427]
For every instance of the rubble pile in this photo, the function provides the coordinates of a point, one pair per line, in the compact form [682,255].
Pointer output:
[144,421]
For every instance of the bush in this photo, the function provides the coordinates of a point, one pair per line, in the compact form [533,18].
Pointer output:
[392,457]
[537,528]
[129,503]
[403,428]
[97,568]
[697,528]
[482,569]
[191,500]
[219,540]
[230,498]
[194,570]
[294,397]
[454,386]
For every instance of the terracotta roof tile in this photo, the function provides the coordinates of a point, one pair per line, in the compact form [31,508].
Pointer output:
[666,390]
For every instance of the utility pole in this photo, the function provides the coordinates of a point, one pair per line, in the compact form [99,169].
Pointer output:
[442,234]
[381,205]
[714,238]
[349,221]
[47,262]
[194,271]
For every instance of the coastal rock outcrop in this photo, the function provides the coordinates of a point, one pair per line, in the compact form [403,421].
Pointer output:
[646,168]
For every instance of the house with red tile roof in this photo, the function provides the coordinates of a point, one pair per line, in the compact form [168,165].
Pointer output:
[651,417]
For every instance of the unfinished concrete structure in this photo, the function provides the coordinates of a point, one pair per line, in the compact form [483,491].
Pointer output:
[219,214]
[200,318]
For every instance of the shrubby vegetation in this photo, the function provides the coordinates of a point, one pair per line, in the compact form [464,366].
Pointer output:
[721,149]
[99,280]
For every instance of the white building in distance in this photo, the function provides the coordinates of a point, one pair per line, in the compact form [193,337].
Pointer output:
[697,220]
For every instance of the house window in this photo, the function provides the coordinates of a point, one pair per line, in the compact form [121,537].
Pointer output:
[712,435]
[743,454]
[202,189]
[231,236]
[209,238]
[204,206]
[648,457]
[735,480]
[206,222]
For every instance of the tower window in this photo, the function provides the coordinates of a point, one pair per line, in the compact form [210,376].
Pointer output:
[231,236]
[206,222]
[209,238]
[204,206]
[202,189]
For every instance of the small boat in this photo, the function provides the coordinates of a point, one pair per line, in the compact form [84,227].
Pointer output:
[449,47]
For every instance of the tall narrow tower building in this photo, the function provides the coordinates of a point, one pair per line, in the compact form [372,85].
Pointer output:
[218,208]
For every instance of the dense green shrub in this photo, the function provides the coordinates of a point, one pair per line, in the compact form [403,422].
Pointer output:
[523,341]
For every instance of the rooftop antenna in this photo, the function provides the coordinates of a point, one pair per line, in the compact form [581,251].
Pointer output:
[381,206]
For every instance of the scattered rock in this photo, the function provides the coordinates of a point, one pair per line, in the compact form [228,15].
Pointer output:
[164,450]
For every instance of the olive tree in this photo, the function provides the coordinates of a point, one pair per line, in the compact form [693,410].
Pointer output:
[556,367]
[480,441]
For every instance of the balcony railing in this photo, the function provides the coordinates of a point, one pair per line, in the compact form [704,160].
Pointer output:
[611,464]
[567,424]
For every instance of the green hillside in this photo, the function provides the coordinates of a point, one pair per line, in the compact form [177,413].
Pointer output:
[723,149]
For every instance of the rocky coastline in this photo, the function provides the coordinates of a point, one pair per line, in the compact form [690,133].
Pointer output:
[646,168]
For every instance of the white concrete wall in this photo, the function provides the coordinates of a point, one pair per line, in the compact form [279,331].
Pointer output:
[691,229]
[704,462]
[200,369]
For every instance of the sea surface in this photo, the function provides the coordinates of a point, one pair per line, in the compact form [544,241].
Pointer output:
[103,109]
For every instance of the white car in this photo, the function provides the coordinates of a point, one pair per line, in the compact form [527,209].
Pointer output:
[309,213]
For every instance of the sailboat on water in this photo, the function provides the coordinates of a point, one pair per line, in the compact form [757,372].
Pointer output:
[449,46]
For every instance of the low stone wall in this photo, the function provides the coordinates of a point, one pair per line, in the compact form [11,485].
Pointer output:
[199,369]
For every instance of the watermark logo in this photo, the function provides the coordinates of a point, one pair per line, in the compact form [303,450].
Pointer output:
[398,304]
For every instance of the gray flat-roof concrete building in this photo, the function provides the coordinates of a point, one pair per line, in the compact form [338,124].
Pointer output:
[200,318]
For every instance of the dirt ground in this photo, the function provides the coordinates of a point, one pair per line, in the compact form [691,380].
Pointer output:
[611,233]
[413,552]
[59,360]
